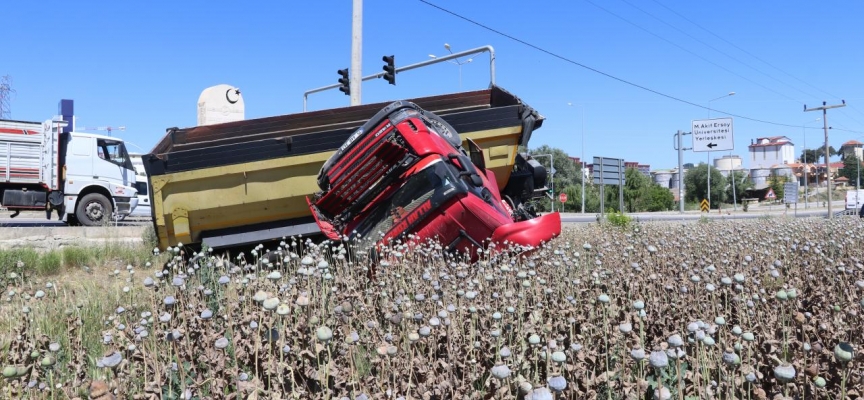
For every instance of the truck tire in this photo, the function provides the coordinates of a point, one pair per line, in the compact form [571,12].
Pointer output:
[93,210]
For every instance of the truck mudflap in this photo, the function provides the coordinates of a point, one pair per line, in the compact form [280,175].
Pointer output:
[531,233]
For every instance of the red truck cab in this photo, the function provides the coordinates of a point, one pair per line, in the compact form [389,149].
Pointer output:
[406,172]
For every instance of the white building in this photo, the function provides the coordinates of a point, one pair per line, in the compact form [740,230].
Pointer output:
[766,152]
[852,147]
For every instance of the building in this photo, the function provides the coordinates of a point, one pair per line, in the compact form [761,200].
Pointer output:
[852,147]
[766,152]
[645,169]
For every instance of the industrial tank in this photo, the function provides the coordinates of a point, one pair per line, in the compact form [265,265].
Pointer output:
[726,163]
[759,176]
[663,178]
[783,170]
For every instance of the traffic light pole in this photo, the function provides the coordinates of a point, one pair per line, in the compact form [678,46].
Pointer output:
[356,50]
[436,60]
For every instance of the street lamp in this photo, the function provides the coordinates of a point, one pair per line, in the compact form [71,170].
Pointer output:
[709,157]
[552,175]
[457,62]
[582,157]
[806,168]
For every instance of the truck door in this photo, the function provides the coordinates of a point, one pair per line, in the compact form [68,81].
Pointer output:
[113,163]
[79,162]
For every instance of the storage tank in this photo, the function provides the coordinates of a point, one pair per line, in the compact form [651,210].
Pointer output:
[759,176]
[673,183]
[783,170]
[663,178]
[726,163]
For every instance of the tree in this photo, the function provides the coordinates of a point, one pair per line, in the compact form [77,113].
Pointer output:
[850,168]
[636,189]
[776,183]
[659,199]
[813,155]
[592,198]
[742,184]
[567,172]
[696,185]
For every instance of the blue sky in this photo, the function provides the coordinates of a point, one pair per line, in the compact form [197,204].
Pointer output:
[142,65]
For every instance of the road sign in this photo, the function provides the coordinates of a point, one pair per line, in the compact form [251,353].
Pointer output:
[790,192]
[712,134]
[562,197]
[705,206]
[609,171]
[770,195]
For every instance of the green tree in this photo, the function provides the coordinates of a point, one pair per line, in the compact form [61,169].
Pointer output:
[567,172]
[637,187]
[592,198]
[850,168]
[696,185]
[659,199]
[742,184]
[812,156]
[574,199]
[776,183]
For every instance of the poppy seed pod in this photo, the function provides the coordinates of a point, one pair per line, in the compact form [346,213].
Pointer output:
[784,372]
[658,359]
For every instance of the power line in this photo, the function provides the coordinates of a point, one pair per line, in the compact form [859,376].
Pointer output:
[693,53]
[750,54]
[714,48]
[624,81]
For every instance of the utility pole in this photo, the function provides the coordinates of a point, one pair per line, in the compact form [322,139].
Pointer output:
[825,107]
[680,147]
[356,51]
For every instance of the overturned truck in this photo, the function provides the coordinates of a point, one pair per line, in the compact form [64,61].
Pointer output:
[257,180]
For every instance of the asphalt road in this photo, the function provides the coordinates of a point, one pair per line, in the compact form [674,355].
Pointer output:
[754,212]
[37,219]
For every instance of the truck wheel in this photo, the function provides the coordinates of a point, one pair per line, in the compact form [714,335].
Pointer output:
[94,209]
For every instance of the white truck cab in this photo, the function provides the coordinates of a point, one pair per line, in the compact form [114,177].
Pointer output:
[99,179]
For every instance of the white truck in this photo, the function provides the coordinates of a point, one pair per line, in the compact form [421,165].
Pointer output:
[87,179]
[854,199]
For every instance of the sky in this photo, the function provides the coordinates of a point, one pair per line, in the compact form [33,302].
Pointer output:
[620,76]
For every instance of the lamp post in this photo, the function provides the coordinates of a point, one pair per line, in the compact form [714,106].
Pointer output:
[551,174]
[457,62]
[582,157]
[806,168]
[709,155]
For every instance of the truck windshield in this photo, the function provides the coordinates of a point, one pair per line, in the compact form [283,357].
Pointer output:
[114,152]
[436,183]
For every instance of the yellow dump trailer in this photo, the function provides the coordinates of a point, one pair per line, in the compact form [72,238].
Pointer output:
[246,182]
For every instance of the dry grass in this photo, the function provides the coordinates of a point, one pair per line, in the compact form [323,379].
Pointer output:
[720,310]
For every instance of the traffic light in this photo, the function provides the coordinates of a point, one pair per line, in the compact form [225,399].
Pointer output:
[346,86]
[390,68]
